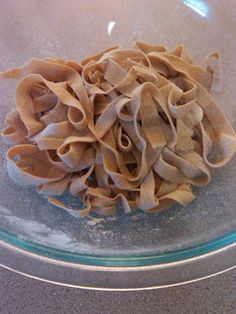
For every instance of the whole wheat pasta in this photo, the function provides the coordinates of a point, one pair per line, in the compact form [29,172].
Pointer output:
[130,125]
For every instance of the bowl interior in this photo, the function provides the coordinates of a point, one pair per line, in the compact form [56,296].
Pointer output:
[75,29]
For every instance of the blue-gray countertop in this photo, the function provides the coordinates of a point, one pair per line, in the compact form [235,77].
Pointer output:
[21,295]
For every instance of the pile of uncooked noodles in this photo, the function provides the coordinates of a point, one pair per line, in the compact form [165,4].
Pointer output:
[130,125]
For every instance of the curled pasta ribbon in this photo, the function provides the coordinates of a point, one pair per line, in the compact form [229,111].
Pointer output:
[135,126]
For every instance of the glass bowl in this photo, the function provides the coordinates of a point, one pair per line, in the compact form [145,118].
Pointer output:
[136,251]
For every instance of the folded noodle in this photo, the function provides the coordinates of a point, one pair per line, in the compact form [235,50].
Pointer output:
[135,126]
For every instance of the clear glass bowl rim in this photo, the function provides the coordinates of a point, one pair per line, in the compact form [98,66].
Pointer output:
[122,260]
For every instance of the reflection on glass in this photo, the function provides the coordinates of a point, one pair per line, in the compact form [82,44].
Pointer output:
[198,6]
[110,27]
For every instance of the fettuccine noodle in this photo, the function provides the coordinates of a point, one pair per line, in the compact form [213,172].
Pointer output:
[134,126]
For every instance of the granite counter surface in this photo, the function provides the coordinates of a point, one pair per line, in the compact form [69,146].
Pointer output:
[22,295]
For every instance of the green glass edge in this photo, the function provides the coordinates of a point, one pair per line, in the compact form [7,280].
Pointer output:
[124,260]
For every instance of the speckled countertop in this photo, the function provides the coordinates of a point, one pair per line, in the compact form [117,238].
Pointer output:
[21,295]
